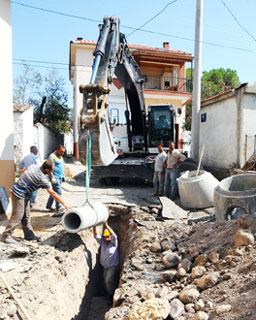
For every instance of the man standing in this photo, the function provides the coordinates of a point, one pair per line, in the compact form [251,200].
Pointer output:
[109,257]
[174,157]
[158,178]
[32,158]
[33,178]
[58,176]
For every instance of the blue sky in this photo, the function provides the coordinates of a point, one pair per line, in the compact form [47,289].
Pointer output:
[42,36]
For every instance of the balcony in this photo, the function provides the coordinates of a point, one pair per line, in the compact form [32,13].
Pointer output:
[162,82]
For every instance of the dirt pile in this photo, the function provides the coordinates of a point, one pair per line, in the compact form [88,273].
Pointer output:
[204,271]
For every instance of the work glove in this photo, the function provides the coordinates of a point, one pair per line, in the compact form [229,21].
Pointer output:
[53,180]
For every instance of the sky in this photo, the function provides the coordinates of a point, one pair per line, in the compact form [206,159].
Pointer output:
[229,31]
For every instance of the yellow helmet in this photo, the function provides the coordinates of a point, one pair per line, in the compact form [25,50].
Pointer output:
[106,233]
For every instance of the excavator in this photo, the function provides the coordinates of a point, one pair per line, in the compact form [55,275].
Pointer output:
[112,57]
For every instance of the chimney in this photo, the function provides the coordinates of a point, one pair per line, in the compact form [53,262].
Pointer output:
[79,38]
[166,45]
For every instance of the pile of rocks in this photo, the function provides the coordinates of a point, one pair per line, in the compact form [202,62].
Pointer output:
[177,271]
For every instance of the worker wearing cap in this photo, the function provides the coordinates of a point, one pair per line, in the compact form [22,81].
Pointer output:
[109,257]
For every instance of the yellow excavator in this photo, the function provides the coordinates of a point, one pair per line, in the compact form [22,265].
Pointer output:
[112,56]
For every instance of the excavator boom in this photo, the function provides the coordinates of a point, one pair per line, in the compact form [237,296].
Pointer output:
[112,56]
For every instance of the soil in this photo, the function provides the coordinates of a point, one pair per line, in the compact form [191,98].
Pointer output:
[59,278]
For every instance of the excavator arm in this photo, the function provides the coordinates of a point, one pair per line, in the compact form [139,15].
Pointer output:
[112,56]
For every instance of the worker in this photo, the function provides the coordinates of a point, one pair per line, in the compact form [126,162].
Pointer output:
[56,180]
[158,178]
[162,122]
[33,178]
[174,158]
[31,158]
[109,257]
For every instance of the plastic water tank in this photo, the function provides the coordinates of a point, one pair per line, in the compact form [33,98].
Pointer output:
[197,191]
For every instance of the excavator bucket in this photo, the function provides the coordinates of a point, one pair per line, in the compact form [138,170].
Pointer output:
[94,121]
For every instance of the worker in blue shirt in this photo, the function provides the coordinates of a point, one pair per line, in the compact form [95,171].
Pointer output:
[109,257]
[56,180]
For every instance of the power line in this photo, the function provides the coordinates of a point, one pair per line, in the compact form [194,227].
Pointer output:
[149,20]
[38,61]
[55,12]
[236,20]
[37,66]
[131,28]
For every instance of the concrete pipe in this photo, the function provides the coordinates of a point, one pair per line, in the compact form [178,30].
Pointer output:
[197,191]
[234,196]
[77,219]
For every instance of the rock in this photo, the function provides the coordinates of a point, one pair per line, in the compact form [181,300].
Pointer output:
[214,257]
[181,273]
[199,305]
[169,275]
[198,272]
[166,244]
[209,305]
[224,308]
[154,210]
[201,315]
[156,309]
[208,280]
[162,292]
[171,260]
[176,308]
[227,276]
[243,238]
[189,295]
[156,247]
[190,307]
[137,264]
[201,260]
[185,264]
[172,295]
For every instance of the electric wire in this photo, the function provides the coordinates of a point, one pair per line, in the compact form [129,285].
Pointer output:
[132,28]
[236,20]
[149,20]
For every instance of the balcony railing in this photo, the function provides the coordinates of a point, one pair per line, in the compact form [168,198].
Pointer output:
[161,82]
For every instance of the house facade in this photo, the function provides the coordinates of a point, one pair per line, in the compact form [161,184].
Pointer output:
[227,127]
[164,72]
[6,104]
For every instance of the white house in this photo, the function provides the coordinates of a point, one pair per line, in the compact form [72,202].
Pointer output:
[228,127]
[6,105]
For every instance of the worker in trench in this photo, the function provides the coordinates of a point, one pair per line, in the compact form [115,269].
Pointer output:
[109,257]
[33,178]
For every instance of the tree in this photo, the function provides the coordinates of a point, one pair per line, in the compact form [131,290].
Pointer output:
[26,85]
[48,97]
[217,81]
[213,82]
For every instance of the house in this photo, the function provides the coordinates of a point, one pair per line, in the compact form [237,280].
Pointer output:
[164,72]
[23,130]
[6,107]
[227,127]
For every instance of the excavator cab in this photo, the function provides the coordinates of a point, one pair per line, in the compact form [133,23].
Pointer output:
[161,125]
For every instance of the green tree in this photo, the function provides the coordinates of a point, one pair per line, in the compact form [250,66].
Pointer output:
[47,95]
[213,82]
[217,81]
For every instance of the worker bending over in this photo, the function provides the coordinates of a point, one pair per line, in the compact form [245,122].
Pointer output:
[33,178]
[109,257]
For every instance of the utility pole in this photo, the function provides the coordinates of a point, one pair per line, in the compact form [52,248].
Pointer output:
[196,94]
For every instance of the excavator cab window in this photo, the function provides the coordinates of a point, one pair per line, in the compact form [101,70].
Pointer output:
[161,127]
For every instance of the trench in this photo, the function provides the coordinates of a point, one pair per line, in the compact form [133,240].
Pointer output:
[96,302]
